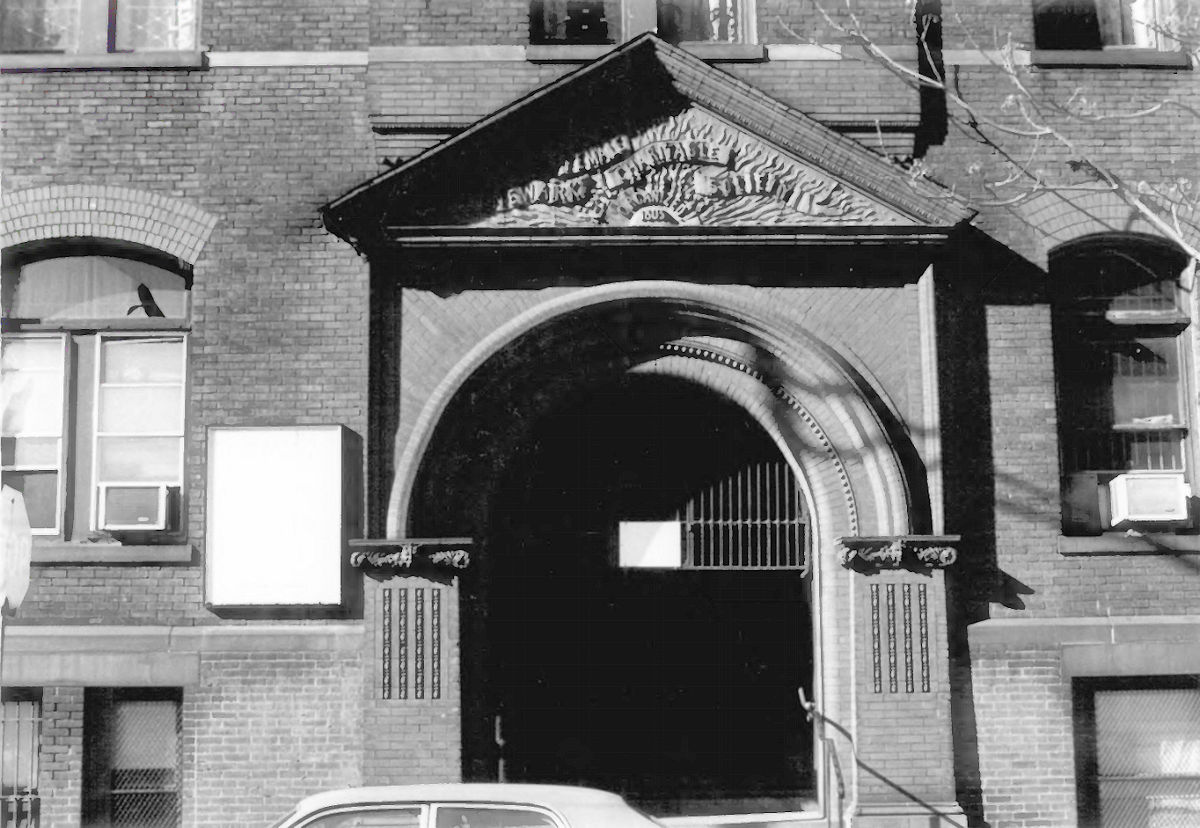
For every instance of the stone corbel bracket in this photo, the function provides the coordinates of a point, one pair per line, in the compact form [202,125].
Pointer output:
[408,554]
[915,553]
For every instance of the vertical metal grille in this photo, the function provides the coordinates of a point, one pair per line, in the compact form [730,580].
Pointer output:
[751,519]
[20,739]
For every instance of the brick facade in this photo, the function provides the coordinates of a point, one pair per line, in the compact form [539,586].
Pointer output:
[225,166]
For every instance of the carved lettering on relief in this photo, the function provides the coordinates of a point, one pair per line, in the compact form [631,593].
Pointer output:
[690,169]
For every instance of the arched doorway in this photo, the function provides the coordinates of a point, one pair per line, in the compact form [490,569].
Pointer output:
[675,685]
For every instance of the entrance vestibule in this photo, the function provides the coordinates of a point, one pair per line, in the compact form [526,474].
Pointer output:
[677,687]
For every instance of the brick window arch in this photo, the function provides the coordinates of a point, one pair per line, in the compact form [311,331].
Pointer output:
[94,375]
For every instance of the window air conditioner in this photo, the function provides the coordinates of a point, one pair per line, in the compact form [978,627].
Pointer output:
[1148,497]
[126,506]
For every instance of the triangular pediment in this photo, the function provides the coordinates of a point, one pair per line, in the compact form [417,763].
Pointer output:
[647,137]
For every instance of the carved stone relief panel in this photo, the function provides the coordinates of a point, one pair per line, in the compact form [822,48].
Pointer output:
[688,169]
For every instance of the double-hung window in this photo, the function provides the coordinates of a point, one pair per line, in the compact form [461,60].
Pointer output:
[1104,24]
[97,26]
[614,21]
[94,370]
[1120,334]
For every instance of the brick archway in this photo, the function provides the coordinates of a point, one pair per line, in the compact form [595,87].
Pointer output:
[857,479]
[153,220]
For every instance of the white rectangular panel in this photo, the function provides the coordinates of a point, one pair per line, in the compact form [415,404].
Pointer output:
[277,516]
[650,544]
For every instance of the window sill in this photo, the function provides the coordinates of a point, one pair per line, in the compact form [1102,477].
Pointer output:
[725,52]
[1123,544]
[121,325]
[62,552]
[1117,58]
[43,62]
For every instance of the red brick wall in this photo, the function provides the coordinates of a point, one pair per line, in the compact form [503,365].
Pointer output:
[114,595]
[268,728]
[60,784]
[285,25]
[1026,742]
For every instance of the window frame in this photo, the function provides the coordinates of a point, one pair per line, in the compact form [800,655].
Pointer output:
[98,33]
[1087,737]
[77,510]
[437,806]
[635,17]
[63,436]
[1076,326]
[356,808]
[30,795]
[1094,19]
[100,717]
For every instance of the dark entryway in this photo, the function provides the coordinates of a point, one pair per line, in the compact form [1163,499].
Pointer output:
[676,687]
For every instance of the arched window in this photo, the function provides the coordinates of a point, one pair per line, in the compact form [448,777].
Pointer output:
[1120,327]
[94,375]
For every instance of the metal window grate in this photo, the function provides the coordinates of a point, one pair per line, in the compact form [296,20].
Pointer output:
[20,740]
[133,758]
[144,777]
[750,519]
[1138,745]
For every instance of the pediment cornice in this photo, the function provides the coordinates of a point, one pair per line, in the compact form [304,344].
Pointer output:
[647,137]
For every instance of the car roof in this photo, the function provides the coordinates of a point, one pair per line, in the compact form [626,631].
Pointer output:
[555,796]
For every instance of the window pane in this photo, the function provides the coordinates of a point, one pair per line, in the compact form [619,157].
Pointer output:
[575,21]
[140,459]
[39,452]
[146,735]
[484,817]
[98,287]
[700,20]
[141,410]
[1148,756]
[34,404]
[33,354]
[379,818]
[39,25]
[21,733]
[32,386]
[142,360]
[40,489]
[1145,381]
[146,25]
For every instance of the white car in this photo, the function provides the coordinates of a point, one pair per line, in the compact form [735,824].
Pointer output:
[466,805]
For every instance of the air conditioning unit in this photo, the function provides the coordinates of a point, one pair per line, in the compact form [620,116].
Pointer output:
[133,506]
[1148,497]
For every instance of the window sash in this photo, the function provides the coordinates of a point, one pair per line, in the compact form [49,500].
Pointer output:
[48,430]
[96,26]
[164,445]
[687,21]
[1123,396]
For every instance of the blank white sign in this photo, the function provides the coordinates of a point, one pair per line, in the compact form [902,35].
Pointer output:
[650,544]
[275,516]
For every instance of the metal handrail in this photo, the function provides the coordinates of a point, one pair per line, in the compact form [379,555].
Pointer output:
[829,746]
